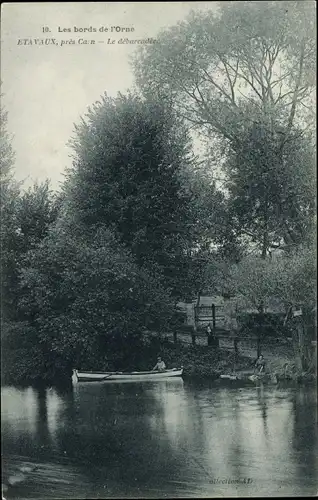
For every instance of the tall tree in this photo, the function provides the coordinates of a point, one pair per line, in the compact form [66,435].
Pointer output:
[287,279]
[212,237]
[126,176]
[244,76]
[38,207]
[214,65]
[272,191]
[26,218]
[6,150]
[83,302]
[9,194]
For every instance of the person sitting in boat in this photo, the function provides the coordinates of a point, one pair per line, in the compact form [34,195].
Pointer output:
[160,365]
[260,364]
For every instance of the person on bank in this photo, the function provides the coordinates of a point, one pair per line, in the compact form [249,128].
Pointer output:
[260,364]
[160,365]
[212,339]
[209,334]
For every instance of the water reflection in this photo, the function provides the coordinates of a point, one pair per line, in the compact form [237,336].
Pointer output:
[164,439]
[304,431]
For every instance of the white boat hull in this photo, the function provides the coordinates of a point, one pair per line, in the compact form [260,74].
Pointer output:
[81,376]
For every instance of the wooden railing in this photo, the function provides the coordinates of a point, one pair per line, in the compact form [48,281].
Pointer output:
[231,337]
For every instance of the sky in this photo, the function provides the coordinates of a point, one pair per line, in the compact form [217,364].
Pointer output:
[47,88]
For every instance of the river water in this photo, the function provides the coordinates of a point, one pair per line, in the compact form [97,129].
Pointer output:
[158,440]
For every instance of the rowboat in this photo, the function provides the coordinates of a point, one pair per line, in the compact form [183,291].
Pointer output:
[87,376]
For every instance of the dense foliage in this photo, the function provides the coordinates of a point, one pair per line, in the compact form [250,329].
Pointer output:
[143,222]
[126,177]
[244,78]
[104,262]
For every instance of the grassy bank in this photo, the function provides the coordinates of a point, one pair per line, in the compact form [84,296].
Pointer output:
[200,362]
[290,371]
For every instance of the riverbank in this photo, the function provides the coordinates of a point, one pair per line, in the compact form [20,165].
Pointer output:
[201,362]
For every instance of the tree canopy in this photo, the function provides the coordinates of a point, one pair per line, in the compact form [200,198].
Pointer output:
[245,77]
[129,155]
[214,65]
[143,220]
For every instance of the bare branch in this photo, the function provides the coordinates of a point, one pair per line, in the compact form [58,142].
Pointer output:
[296,91]
[249,99]
[305,106]
[292,92]
[279,94]
[211,80]
[255,74]
[279,80]
[236,72]
[206,113]
[249,82]
[216,123]
[229,78]
[272,56]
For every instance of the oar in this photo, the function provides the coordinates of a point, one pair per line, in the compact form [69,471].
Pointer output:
[106,376]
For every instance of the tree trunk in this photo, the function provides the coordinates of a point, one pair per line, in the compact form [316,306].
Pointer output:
[302,339]
[259,347]
[195,327]
[261,310]
[265,239]
[213,319]
[197,304]
[304,346]
[264,248]
[301,348]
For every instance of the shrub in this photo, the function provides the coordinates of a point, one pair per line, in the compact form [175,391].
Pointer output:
[268,325]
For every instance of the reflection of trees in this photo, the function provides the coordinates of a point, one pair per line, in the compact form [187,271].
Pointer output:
[30,422]
[182,423]
[18,419]
[166,437]
[263,406]
[304,438]
[55,400]
[127,434]
[238,440]
[223,438]
[42,431]
[169,417]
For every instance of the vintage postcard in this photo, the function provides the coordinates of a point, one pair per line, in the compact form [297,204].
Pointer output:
[158,255]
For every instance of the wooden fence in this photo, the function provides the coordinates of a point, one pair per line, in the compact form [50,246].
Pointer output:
[215,316]
[218,335]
